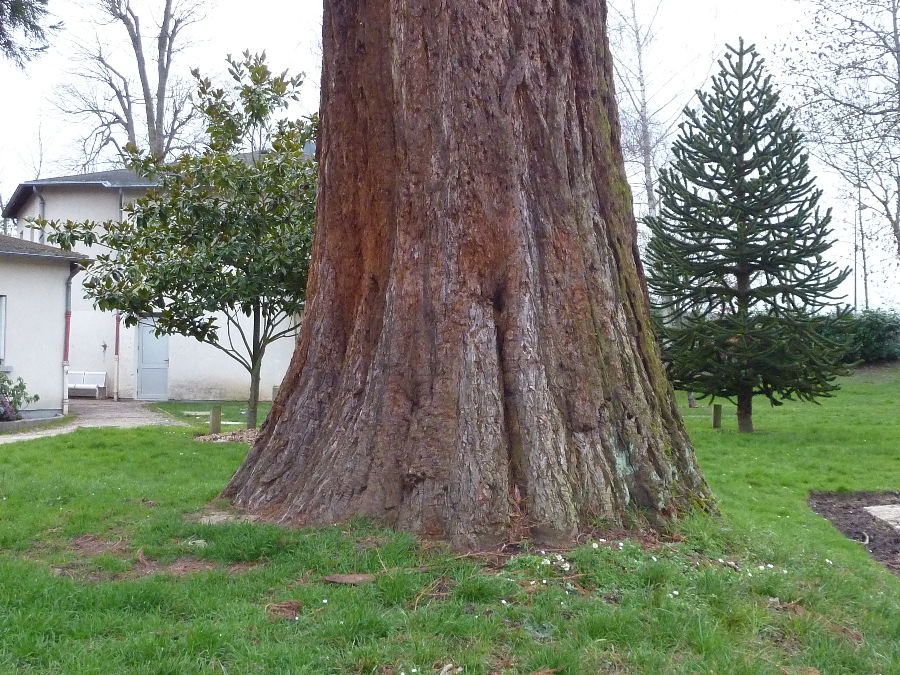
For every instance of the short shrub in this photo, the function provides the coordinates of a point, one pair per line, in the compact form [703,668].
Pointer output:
[12,397]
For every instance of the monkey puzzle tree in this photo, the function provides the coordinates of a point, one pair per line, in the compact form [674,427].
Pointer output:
[477,358]
[736,253]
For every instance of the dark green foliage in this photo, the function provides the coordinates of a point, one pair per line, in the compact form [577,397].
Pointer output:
[227,232]
[874,336]
[22,31]
[736,257]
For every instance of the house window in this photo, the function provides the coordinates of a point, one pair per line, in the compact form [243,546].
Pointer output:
[2,329]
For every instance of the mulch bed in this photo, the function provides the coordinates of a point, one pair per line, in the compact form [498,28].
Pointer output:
[845,510]
[236,436]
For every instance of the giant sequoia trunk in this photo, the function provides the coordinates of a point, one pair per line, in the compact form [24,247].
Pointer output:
[476,356]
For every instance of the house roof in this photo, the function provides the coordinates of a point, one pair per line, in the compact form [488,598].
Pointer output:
[119,178]
[13,246]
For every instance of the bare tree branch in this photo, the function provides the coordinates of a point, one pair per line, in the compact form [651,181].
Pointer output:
[128,92]
[846,81]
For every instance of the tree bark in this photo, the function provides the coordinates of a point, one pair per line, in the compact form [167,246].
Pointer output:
[745,409]
[477,359]
[257,352]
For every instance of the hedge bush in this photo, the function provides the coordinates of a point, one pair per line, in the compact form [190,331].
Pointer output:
[876,336]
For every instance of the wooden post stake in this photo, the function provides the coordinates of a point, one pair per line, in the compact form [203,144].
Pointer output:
[215,419]
[716,416]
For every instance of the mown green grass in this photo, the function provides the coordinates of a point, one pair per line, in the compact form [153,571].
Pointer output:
[803,596]
[233,412]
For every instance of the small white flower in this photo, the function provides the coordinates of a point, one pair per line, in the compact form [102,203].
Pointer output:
[325,601]
[566,567]
[828,561]
[770,566]
[503,602]
[674,592]
[749,574]
[602,541]
[532,583]
[559,558]
[543,581]
[342,623]
[414,671]
[762,567]
[670,595]
[721,561]
[545,561]
[595,544]
[653,558]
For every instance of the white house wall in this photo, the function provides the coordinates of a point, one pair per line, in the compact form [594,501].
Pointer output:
[196,371]
[35,331]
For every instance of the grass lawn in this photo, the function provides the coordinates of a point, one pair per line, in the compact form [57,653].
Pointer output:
[769,589]
[196,413]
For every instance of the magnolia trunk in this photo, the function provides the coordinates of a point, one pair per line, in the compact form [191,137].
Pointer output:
[476,361]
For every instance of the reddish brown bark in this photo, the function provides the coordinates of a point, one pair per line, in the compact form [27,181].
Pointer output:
[476,354]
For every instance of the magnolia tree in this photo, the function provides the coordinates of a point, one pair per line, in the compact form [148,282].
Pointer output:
[219,250]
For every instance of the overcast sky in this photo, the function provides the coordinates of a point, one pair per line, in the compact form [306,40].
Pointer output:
[691,34]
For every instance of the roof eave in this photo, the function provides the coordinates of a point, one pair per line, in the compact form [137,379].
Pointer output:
[18,200]
[75,257]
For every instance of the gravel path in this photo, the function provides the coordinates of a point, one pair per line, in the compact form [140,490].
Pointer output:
[102,413]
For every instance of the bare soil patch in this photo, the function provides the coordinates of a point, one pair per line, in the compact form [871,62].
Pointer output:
[179,566]
[90,545]
[289,610]
[846,511]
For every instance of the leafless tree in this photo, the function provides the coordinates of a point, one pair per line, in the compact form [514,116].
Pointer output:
[650,94]
[845,69]
[128,91]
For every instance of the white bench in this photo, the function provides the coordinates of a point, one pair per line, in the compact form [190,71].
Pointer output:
[91,384]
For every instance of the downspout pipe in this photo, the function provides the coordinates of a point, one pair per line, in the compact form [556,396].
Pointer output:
[116,358]
[74,268]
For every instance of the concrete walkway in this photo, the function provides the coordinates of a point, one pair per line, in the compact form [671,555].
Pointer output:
[102,413]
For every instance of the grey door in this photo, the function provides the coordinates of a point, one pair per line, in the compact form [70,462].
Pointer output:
[152,364]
